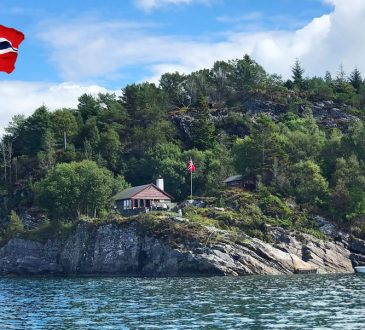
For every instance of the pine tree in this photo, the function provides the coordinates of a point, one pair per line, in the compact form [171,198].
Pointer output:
[341,76]
[356,79]
[47,156]
[328,78]
[203,128]
[297,74]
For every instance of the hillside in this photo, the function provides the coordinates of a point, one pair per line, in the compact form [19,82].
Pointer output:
[300,143]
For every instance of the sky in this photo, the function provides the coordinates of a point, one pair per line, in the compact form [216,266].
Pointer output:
[92,46]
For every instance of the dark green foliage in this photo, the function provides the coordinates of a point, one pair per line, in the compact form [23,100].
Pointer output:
[320,89]
[166,160]
[307,183]
[47,155]
[202,134]
[110,148]
[348,193]
[70,190]
[71,156]
[247,74]
[356,79]
[88,107]
[302,138]
[65,127]
[272,205]
[147,118]
[256,154]
[14,227]
[345,92]
[172,85]
[297,75]
[90,132]
[29,135]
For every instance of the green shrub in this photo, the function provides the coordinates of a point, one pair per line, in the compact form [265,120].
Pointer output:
[14,227]
[50,230]
[273,206]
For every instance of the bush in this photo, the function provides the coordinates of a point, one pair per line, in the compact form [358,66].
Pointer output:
[72,189]
[48,230]
[14,227]
[273,206]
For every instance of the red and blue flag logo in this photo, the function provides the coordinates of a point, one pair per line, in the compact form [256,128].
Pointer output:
[10,39]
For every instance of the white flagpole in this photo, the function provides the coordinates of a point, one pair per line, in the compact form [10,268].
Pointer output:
[191,186]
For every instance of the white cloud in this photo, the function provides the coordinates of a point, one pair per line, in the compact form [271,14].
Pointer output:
[91,48]
[24,97]
[147,5]
[253,16]
[88,48]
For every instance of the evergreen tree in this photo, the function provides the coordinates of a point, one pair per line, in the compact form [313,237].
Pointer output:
[328,78]
[219,76]
[30,137]
[341,75]
[247,74]
[297,74]
[203,128]
[356,79]
[64,125]
[171,84]
[110,148]
[256,154]
[88,106]
[348,193]
[344,90]
[46,156]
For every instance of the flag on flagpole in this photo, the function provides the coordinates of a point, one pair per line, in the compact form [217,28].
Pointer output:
[10,39]
[190,166]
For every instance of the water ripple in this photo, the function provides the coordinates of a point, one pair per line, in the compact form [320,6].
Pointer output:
[281,302]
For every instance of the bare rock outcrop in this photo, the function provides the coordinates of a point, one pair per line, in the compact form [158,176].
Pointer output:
[126,249]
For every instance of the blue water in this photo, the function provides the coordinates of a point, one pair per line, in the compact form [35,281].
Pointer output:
[281,302]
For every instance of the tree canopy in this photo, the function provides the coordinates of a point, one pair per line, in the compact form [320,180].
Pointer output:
[233,118]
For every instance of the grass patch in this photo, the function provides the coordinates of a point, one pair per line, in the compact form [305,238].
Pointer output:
[50,230]
[174,233]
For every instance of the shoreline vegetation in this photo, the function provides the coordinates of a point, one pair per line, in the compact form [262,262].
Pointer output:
[298,144]
[160,244]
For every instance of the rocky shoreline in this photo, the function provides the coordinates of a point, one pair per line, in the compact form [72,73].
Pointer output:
[127,249]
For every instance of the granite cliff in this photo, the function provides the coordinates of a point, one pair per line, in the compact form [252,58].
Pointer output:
[172,247]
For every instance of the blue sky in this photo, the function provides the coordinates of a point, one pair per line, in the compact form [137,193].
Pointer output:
[92,46]
[190,21]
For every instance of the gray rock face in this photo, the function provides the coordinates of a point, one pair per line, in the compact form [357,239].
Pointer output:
[28,257]
[125,249]
[327,113]
[108,249]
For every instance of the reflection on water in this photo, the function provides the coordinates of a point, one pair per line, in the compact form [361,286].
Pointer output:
[281,302]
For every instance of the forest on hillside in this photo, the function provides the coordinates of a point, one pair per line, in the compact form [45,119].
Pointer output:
[71,161]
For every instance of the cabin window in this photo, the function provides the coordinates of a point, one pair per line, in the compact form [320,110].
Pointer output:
[127,204]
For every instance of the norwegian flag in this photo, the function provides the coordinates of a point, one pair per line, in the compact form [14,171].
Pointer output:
[190,166]
[10,39]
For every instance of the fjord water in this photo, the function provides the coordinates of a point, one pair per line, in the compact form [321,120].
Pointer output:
[257,302]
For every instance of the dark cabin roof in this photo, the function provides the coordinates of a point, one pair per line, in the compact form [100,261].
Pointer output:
[130,192]
[233,178]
